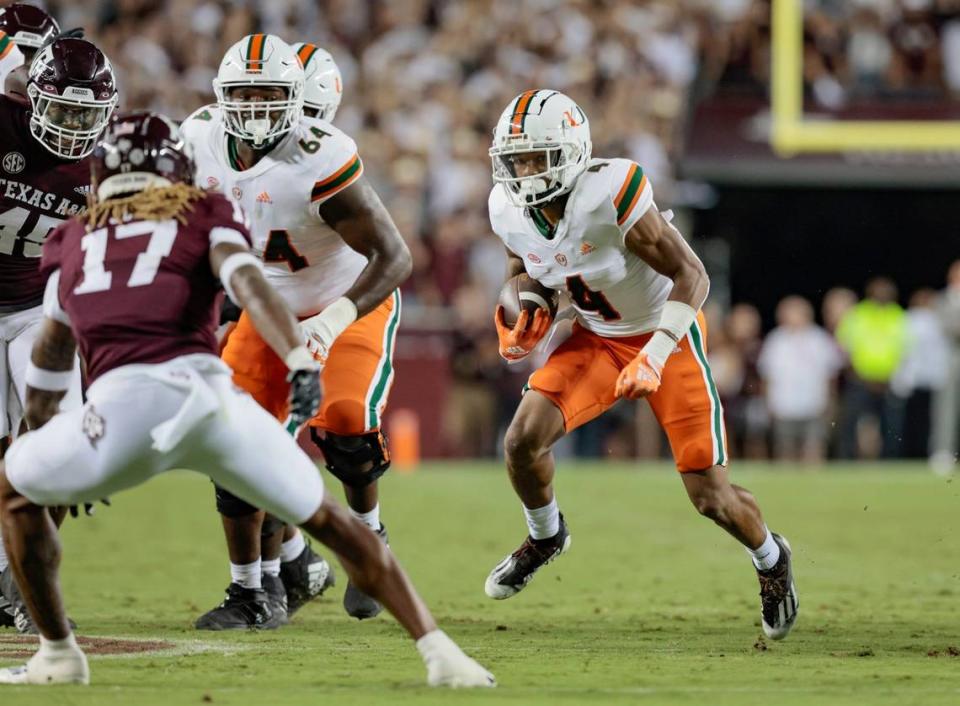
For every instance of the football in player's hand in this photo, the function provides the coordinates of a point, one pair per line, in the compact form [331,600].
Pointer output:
[523,292]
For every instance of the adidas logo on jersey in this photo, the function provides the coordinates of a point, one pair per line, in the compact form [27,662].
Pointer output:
[264,197]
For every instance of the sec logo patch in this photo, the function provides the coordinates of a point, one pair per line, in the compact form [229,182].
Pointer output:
[533,258]
[14,163]
[213,182]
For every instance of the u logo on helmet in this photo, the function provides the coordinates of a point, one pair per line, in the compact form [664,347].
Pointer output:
[570,120]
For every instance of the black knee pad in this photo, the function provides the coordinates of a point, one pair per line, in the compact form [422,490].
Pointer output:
[271,525]
[357,461]
[229,505]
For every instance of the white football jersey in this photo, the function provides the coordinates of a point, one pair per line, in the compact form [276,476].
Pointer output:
[614,292]
[10,57]
[307,261]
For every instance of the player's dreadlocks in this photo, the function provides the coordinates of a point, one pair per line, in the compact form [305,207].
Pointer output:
[151,204]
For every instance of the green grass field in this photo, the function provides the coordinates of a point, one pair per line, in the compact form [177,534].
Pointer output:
[652,605]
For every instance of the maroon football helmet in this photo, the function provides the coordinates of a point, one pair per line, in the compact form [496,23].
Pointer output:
[140,150]
[73,93]
[29,27]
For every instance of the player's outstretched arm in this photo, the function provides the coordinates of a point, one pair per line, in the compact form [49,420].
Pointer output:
[661,246]
[49,372]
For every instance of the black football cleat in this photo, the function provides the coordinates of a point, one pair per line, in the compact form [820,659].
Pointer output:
[511,575]
[276,597]
[305,578]
[242,609]
[6,613]
[13,611]
[357,603]
[779,603]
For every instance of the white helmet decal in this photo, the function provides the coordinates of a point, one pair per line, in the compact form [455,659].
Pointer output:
[323,89]
[541,121]
[260,60]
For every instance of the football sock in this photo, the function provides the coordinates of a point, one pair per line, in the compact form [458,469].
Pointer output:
[247,575]
[544,522]
[370,519]
[293,547]
[270,567]
[67,644]
[767,554]
[4,562]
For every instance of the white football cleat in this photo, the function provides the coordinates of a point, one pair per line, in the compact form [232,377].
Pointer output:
[447,665]
[50,667]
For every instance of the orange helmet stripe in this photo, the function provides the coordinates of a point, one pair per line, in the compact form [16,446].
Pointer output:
[520,111]
[306,53]
[255,53]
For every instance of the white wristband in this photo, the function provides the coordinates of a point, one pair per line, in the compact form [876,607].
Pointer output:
[300,359]
[232,264]
[659,348]
[677,318]
[331,322]
[48,380]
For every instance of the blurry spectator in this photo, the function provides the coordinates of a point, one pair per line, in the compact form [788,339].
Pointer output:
[798,363]
[836,303]
[747,417]
[947,418]
[869,53]
[916,64]
[471,416]
[922,372]
[874,335]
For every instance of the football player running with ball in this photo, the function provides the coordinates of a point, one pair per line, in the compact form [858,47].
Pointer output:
[335,256]
[136,283]
[590,227]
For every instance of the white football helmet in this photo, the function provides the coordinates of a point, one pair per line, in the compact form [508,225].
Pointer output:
[260,60]
[323,88]
[541,121]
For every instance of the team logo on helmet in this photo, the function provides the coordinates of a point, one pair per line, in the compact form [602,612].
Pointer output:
[14,163]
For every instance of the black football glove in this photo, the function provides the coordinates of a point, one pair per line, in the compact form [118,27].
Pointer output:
[88,508]
[305,395]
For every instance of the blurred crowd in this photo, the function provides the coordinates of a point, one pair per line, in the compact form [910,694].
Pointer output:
[872,380]
[854,50]
[424,83]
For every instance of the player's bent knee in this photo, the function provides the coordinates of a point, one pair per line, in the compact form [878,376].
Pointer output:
[522,446]
[229,505]
[357,461]
[345,417]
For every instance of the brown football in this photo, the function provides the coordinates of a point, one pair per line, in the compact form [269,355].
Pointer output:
[523,292]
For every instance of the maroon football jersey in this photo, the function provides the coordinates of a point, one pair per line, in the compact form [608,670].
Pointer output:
[141,291]
[38,192]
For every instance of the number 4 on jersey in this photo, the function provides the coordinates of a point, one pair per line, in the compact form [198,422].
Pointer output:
[588,300]
[280,249]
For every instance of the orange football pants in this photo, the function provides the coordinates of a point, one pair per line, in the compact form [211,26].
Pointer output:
[580,377]
[356,380]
